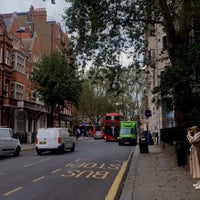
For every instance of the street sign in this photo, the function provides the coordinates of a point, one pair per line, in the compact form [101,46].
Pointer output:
[148,113]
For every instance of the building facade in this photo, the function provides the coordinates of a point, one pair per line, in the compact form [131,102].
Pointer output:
[162,116]
[157,60]
[24,38]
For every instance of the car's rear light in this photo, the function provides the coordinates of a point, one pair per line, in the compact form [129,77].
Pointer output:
[36,140]
[59,140]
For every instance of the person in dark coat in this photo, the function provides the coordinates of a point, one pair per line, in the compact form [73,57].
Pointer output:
[148,137]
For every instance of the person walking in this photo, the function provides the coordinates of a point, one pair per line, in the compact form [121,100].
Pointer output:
[193,136]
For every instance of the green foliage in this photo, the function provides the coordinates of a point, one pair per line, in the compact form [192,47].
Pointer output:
[55,80]
[183,74]
[105,97]
[102,29]
[181,83]
[93,102]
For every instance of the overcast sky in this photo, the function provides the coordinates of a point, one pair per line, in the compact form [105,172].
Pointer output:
[54,11]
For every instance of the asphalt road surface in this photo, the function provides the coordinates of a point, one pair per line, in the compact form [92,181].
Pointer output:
[87,173]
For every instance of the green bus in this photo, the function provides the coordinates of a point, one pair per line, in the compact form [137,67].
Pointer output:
[128,133]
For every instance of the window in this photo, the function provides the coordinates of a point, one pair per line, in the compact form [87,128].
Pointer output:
[17,91]
[12,90]
[20,122]
[18,63]
[8,57]
[35,57]
[116,118]
[15,43]
[42,121]
[112,117]
[97,128]
[6,90]
[169,113]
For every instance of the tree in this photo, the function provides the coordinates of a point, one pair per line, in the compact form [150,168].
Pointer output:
[180,77]
[56,82]
[100,97]
[102,29]
[95,101]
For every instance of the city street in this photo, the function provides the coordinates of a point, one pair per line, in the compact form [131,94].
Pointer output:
[88,173]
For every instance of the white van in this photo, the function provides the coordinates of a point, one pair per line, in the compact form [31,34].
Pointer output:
[9,144]
[54,139]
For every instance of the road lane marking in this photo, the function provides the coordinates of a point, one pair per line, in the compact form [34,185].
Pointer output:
[34,163]
[38,179]
[12,191]
[114,188]
[55,171]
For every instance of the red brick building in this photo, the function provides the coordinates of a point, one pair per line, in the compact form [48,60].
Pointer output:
[24,38]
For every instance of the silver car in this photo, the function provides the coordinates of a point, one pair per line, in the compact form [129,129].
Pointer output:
[9,144]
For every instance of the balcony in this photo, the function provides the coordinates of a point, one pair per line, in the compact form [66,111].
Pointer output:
[32,106]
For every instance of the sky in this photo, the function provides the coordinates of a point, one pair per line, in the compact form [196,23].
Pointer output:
[54,11]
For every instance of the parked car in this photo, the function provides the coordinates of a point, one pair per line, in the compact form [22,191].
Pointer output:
[54,139]
[9,143]
[98,134]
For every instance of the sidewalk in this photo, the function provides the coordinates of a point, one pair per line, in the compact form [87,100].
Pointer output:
[155,176]
[25,147]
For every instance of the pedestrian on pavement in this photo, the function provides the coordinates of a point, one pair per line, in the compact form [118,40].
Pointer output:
[193,136]
[148,136]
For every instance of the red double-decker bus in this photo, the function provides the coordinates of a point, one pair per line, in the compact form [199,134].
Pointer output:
[112,126]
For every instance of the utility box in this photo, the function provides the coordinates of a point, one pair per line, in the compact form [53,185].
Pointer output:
[143,144]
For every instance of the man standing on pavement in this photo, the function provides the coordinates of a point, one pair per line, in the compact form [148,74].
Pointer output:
[193,136]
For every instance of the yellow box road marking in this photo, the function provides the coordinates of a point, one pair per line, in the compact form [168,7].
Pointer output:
[12,191]
[38,179]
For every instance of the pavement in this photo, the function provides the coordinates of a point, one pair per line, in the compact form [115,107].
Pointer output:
[154,176]
[25,147]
